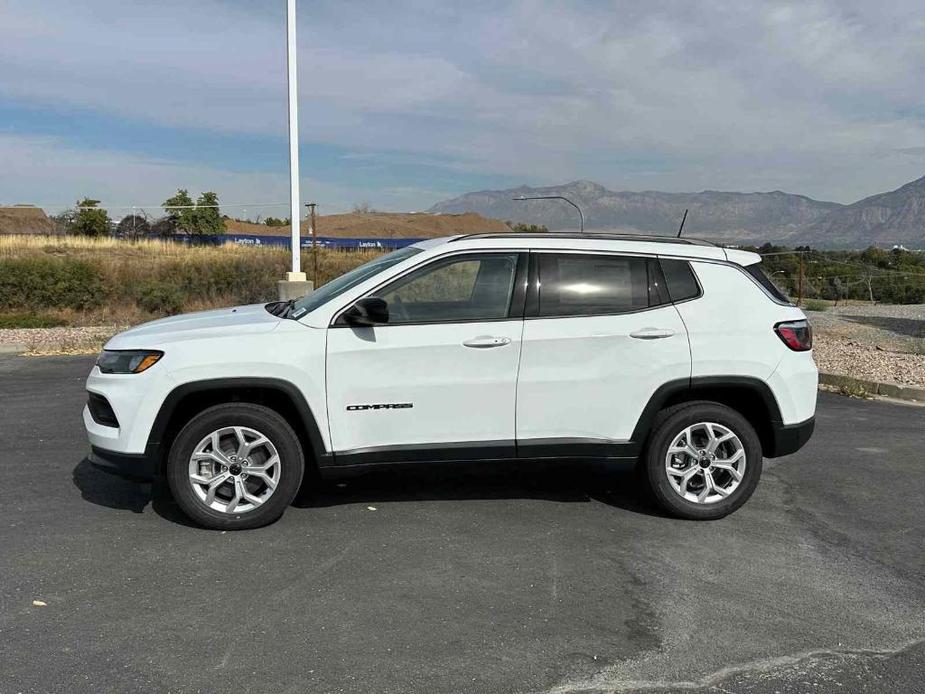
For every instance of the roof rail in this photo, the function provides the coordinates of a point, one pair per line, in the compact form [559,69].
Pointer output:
[602,235]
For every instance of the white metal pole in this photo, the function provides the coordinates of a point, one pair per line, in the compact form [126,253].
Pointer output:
[294,211]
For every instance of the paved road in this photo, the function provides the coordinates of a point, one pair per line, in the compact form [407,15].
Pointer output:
[512,582]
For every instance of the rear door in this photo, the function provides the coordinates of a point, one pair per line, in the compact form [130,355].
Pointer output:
[600,336]
[439,380]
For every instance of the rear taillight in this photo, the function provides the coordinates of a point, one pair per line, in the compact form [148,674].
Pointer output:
[796,334]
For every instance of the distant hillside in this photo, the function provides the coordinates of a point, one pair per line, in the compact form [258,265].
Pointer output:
[25,219]
[719,215]
[897,217]
[383,225]
[891,218]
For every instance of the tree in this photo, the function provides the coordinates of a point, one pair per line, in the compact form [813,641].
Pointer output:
[133,226]
[527,228]
[201,218]
[64,221]
[207,219]
[91,220]
[180,211]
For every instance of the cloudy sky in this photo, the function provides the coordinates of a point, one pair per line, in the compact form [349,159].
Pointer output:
[405,104]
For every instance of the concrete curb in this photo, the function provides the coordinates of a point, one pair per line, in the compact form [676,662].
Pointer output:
[13,348]
[890,390]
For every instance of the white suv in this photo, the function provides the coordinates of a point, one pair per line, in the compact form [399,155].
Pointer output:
[499,347]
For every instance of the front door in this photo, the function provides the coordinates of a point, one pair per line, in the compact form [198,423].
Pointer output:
[600,336]
[438,381]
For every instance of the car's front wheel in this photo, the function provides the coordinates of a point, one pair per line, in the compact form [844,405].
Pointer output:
[235,466]
[703,460]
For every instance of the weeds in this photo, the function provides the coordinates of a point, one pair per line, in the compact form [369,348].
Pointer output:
[815,305]
[84,281]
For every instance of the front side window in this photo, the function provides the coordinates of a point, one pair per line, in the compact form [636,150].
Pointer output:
[463,288]
[572,284]
[348,280]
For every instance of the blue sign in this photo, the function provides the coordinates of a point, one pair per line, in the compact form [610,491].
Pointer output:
[323,241]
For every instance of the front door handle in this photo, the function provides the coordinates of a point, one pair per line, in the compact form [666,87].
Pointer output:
[487,341]
[652,333]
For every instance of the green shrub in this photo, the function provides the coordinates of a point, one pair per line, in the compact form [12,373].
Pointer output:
[815,305]
[29,320]
[162,297]
[41,283]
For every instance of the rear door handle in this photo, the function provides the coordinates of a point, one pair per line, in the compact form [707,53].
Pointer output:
[652,333]
[487,341]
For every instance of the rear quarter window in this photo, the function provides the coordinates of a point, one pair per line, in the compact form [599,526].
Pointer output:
[758,274]
[680,280]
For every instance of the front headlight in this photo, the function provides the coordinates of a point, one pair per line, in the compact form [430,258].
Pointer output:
[132,361]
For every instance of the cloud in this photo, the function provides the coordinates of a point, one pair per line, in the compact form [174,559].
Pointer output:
[819,97]
[47,172]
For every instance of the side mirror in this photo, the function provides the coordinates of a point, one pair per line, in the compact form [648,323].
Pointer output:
[367,312]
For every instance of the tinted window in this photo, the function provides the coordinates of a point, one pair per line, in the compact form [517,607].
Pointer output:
[680,279]
[471,287]
[756,272]
[576,285]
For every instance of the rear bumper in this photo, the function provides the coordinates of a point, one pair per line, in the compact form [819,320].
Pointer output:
[789,438]
[134,466]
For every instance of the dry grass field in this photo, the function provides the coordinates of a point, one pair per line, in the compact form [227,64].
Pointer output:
[381,225]
[73,281]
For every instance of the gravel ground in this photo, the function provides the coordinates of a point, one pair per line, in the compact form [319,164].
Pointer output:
[42,341]
[874,342]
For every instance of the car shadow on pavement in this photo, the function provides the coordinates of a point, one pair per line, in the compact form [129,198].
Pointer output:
[105,489]
[562,482]
[559,482]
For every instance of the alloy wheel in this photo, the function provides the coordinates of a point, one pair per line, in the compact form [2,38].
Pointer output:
[705,463]
[234,469]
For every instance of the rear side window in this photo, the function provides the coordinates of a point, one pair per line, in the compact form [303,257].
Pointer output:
[758,273]
[573,284]
[679,277]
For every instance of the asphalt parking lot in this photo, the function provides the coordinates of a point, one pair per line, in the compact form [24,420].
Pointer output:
[507,581]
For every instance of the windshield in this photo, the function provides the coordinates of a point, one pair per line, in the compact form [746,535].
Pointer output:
[338,286]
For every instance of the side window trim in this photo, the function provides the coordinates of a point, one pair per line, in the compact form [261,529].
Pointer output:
[532,307]
[515,306]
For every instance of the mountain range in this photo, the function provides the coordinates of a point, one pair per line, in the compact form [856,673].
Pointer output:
[886,219]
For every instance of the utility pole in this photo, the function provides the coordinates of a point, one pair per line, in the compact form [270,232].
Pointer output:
[311,230]
[800,284]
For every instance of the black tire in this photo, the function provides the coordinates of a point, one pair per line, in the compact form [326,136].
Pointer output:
[666,427]
[262,419]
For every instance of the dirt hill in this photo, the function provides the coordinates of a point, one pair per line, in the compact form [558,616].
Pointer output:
[383,225]
[25,219]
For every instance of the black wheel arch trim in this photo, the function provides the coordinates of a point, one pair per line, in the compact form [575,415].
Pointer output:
[168,408]
[780,439]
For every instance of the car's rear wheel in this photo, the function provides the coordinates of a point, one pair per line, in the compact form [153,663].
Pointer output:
[703,460]
[235,466]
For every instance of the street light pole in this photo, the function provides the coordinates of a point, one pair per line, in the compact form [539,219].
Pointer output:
[581,217]
[293,79]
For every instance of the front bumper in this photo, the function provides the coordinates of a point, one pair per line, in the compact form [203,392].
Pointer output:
[140,467]
[789,438]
